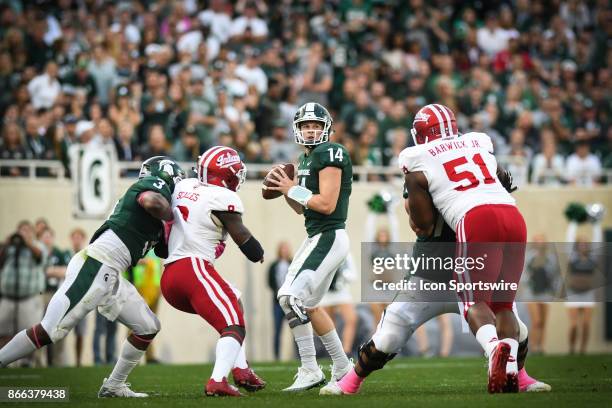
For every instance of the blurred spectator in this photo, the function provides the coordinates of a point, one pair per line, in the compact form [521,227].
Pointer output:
[583,167]
[283,148]
[548,166]
[338,300]
[217,17]
[582,267]
[187,148]
[22,281]
[248,28]
[201,115]
[13,147]
[102,68]
[80,79]
[158,144]
[78,241]
[531,67]
[446,338]
[85,132]
[543,275]
[106,329]
[315,75]
[45,88]
[55,273]
[124,109]
[276,276]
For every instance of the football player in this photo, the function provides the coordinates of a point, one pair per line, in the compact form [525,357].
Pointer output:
[403,318]
[93,276]
[207,209]
[321,194]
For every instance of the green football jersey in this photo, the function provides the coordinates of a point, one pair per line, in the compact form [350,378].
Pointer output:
[136,228]
[440,245]
[310,164]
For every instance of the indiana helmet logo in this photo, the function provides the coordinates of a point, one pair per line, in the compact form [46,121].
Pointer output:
[421,117]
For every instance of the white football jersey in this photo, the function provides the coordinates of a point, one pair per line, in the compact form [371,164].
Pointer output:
[194,232]
[461,173]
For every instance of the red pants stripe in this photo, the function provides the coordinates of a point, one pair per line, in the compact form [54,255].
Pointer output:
[498,234]
[192,285]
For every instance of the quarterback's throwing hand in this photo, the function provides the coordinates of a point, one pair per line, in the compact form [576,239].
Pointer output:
[280,179]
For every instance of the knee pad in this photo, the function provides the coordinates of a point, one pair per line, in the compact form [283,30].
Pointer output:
[149,325]
[392,333]
[234,331]
[294,310]
[371,358]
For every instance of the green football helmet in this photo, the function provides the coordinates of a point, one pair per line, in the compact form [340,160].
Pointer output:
[163,167]
[312,112]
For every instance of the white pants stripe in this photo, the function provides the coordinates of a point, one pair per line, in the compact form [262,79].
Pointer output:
[220,291]
[211,292]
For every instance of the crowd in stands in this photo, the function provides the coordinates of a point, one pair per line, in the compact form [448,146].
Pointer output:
[176,77]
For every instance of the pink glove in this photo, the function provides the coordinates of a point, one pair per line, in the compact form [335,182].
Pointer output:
[219,249]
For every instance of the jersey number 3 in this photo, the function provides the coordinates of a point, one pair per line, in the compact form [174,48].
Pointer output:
[454,175]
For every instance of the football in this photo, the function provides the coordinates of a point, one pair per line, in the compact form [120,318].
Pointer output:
[288,168]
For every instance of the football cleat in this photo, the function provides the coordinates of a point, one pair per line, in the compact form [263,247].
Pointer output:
[108,390]
[512,383]
[497,368]
[221,389]
[306,379]
[529,384]
[333,389]
[247,379]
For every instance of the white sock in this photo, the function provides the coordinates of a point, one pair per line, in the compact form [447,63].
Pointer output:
[305,342]
[333,345]
[487,337]
[129,358]
[225,356]
[512,366]
[241,361]
[20,346]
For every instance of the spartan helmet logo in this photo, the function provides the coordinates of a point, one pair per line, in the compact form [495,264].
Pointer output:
[167,166]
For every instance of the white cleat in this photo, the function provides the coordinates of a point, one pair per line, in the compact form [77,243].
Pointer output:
[306,379]
[338,373]
[537,386]
[331,389]
[118,391]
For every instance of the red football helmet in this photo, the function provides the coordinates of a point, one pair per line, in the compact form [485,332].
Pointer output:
[221,166]
[433,122]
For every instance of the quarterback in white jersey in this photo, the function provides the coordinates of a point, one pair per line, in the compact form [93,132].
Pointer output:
[206,209]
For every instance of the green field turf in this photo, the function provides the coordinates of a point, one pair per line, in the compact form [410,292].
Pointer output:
[449,383]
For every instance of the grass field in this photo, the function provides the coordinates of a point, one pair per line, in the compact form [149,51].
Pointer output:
[449,383]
